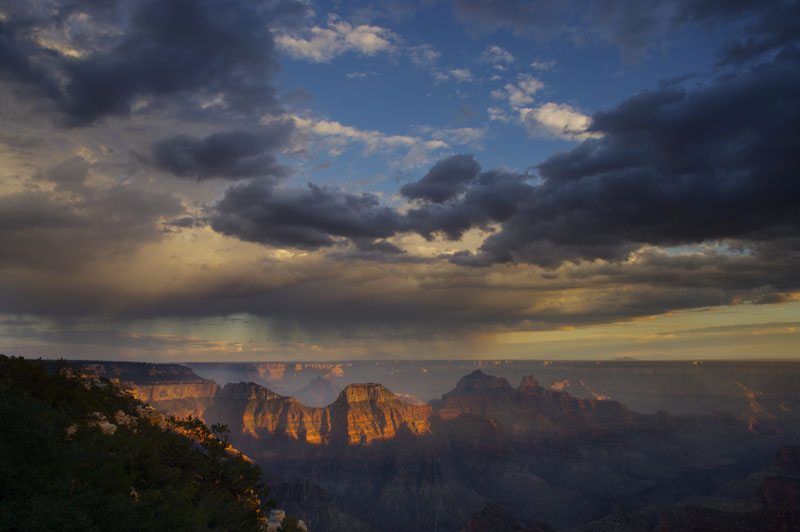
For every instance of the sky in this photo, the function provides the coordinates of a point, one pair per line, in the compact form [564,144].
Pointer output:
[194,180]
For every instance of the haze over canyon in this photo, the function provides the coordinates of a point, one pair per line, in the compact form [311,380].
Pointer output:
[543,453]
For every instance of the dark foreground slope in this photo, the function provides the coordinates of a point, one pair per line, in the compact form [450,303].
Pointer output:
[79,454]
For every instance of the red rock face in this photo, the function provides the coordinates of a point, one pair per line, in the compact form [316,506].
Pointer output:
[173,389]
[366,412]
[362,413]
[167,391]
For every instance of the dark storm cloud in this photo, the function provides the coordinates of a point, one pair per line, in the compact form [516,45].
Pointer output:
[308,218]
[190,48]
[520,15]
[69,175]
[380,251]
[673,167]
[494,196]
[313,218]
[184,222]
[631,25]
[775,28]
[439,300]
[367,245]
[47,231]
[229,155]
[448,178]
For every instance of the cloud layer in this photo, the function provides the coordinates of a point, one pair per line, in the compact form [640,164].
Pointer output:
[153,49]
[667,167]
[152,173]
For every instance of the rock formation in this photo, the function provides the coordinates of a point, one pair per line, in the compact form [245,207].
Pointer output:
[366,412]
[493,518]
[170,388]
[362,413]
[530,408]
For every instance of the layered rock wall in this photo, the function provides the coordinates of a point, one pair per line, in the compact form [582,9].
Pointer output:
[362,413]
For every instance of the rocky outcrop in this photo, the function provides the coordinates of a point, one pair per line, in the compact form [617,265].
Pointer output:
[362,413]
[276,519]
[530,408]
[309,501]
[171,388]
[493,518]
[169,391]
[366,412]
[478,382]
[256,412]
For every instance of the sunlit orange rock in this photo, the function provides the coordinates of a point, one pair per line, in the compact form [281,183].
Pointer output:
[362,413]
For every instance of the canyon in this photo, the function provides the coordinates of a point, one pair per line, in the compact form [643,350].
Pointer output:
[680,387]
[362,413]
[374,460]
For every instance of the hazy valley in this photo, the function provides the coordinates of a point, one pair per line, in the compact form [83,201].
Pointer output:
[568,445]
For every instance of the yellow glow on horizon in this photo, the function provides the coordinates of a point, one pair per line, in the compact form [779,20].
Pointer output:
[720,332]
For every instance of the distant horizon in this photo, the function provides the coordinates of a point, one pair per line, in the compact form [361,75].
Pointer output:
[424,360]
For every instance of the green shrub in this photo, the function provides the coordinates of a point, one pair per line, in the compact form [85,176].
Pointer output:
[141,477]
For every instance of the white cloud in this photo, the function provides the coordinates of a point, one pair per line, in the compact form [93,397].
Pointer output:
[520,94]
[423,54]
[439,76]
[320,45]
[458,74]
[372,140]
[543,65]
[498,114]
[529,84]
[497,54]
[461,74]
[556,120]
[360,75]
[335,137]
[419,149]
[458,136]
[419,154]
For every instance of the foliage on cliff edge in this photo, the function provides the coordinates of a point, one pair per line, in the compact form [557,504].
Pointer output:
[62,471]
